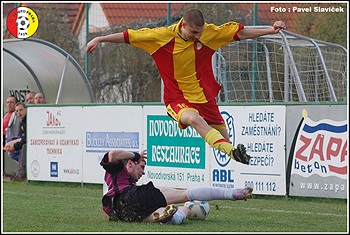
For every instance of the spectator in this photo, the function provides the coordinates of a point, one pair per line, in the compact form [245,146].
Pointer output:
[30,97]
[20,144]
[39,98]
[11,125]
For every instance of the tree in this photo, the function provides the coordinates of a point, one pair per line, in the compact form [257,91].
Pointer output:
[122,73]
[219,13]
[329,27]
[53,28]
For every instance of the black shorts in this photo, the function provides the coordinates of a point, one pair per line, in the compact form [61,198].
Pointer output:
[138,202]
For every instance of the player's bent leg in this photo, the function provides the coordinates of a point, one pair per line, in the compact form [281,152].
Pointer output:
[190,117]
[174,195]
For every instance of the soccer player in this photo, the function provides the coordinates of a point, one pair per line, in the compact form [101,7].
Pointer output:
[126,201]
[183,54]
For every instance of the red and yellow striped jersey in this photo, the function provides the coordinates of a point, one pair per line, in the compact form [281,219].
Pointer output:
[185,66]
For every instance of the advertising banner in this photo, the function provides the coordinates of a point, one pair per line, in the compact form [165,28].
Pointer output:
[176,157]
[318,161]
[299,150]
[107,128]
[261,130]
[54,144]
[68,143]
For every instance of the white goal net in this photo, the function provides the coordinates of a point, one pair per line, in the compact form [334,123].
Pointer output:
[285,67]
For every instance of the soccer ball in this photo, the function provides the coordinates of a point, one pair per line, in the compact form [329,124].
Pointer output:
[22,23]
[199,210]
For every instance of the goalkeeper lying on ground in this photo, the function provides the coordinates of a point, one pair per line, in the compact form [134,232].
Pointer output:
[126,201]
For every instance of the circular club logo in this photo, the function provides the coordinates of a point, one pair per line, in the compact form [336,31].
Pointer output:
[35,168]
[22,22]
[222,158]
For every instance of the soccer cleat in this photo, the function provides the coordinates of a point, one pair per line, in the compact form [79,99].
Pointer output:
[243,193]
[240,154]
[165,215]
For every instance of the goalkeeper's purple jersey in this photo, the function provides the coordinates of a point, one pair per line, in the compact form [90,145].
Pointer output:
[117,179]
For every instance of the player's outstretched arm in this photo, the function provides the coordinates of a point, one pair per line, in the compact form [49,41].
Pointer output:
[115,38]
[257,32]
